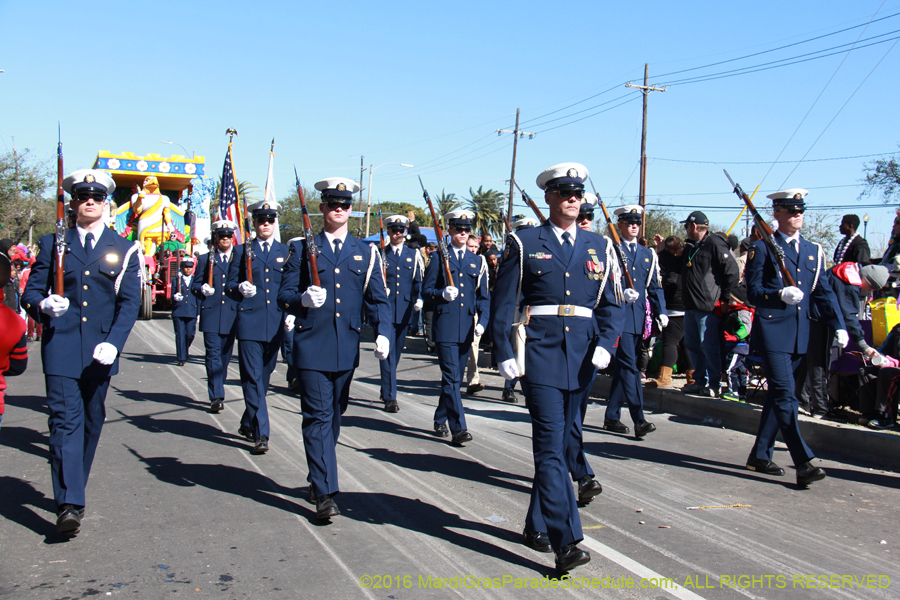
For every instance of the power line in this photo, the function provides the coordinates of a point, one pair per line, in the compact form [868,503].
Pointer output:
[762,162]
[600,112]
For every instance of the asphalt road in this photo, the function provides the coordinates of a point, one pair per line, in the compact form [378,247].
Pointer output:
[178,507]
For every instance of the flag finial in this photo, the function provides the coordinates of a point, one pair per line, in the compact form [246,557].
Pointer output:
[230,133]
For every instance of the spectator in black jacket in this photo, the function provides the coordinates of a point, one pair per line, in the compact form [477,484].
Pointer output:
[852,247]
[709,271]
[673,349]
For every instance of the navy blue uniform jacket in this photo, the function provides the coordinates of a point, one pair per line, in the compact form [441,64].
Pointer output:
[327,338]
[96,312]
[645,274]
[259,318]
[404,282]
[189,307]
[217,312]
[454,322]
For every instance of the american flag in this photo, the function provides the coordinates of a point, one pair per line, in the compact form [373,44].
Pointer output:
[228,198]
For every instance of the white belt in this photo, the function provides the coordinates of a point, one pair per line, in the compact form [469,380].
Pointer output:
[560,310]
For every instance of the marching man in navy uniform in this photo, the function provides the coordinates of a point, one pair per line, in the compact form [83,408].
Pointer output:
[405,269]
[454,326]
[185,310]
[558,277]
[260,322]
[218,310]
[84,333]
[326,331]
[509,385]
[626,387]
[781,330]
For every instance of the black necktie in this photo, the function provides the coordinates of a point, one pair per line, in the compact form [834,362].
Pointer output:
[794,248]
[337,247]
[567,246]
[265,249]
[88,244]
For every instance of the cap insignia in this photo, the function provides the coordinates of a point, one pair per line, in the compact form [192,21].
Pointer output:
[341,187]
[798,197]
[633,211]
[89,178]
[572,173]
[265,207]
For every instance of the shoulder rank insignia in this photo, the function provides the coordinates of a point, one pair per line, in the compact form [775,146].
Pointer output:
[752,253]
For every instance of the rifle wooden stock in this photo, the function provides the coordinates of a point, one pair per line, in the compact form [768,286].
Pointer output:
[617,243]
[769,235]
[59,285]
[211,256]
[312,251]
[439,233]
[381,239]
[530,203]
[248,254]
[178,269]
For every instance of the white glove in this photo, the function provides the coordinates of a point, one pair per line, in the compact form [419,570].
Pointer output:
[177,297]
[479,330]
[601,358]
[631,295]
[509,369]
[663,321]
[450,293]
[418,305]
[247,289]
[105,353]
[289,323]
[843,338]
[207,290]
[313,297]
[382,347]
[55,306]
[791,295]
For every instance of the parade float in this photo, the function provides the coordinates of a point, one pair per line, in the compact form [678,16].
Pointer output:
[162,204]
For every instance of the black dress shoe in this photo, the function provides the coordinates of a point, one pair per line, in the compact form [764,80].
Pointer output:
[326,508]
[764,466]
[180,363]
[461,438]
[441,430]
[615,426]
[537,540]
[294,384]
[588,487]
[68,521]
[474,389]
[246,433]
[807,473]
[509,396]
[392,407]
[262,445]
[643,428]
[570,557]
[216,405]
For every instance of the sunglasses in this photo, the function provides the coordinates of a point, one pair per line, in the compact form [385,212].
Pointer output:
[586,217]
[85,197]
[335,204]
[566,194]
[396,229]
[225,235]
[462,229]
[794,211]
[265,219]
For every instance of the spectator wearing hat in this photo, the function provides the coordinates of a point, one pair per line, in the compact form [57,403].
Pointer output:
[673,349]
[218,308]
[708,272]
[260,323]
[85,329]
[850,281]
[781,330]
[185,310]
[461,312]
[328,318]
[852,248]
[565,281]
[625,388]
[404,269]
[13,348]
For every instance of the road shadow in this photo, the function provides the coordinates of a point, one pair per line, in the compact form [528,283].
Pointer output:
[386,425]
[17,504]
[35,403]
[26,440]
[426,519]
[184,427]
[161,398]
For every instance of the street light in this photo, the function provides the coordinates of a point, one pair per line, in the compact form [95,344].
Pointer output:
[369,198]
[177,144]
[865,224]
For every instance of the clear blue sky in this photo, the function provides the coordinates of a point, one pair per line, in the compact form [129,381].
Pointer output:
[428,83]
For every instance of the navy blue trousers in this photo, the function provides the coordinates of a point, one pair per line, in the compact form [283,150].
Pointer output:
[452,358]
[218,355]
[626,388]
[185,330]
[257,361]
[553,508]
[576,459]
[389,367]
[76,418]
[779,412]
[287,349]
[323,398]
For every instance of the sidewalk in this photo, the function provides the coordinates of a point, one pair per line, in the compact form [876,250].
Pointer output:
[838,441]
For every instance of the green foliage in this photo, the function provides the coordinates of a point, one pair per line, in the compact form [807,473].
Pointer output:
[882,176]
[25,197]
[442,205]
[486,204]
[290,218]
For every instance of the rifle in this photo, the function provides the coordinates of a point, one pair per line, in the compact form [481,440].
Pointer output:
[178,269]
[623,260]
[248,247]
[530,203]
[381,239]
[211,257]
[311,249]
[438,232]
[769,235]
[59,285]
[505,221]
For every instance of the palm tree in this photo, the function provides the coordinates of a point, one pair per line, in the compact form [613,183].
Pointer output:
[446,203]
[246,194]
[486,204]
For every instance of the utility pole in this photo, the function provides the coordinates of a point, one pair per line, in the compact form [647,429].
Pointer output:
[362,170]
[512,177]
[642,194]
